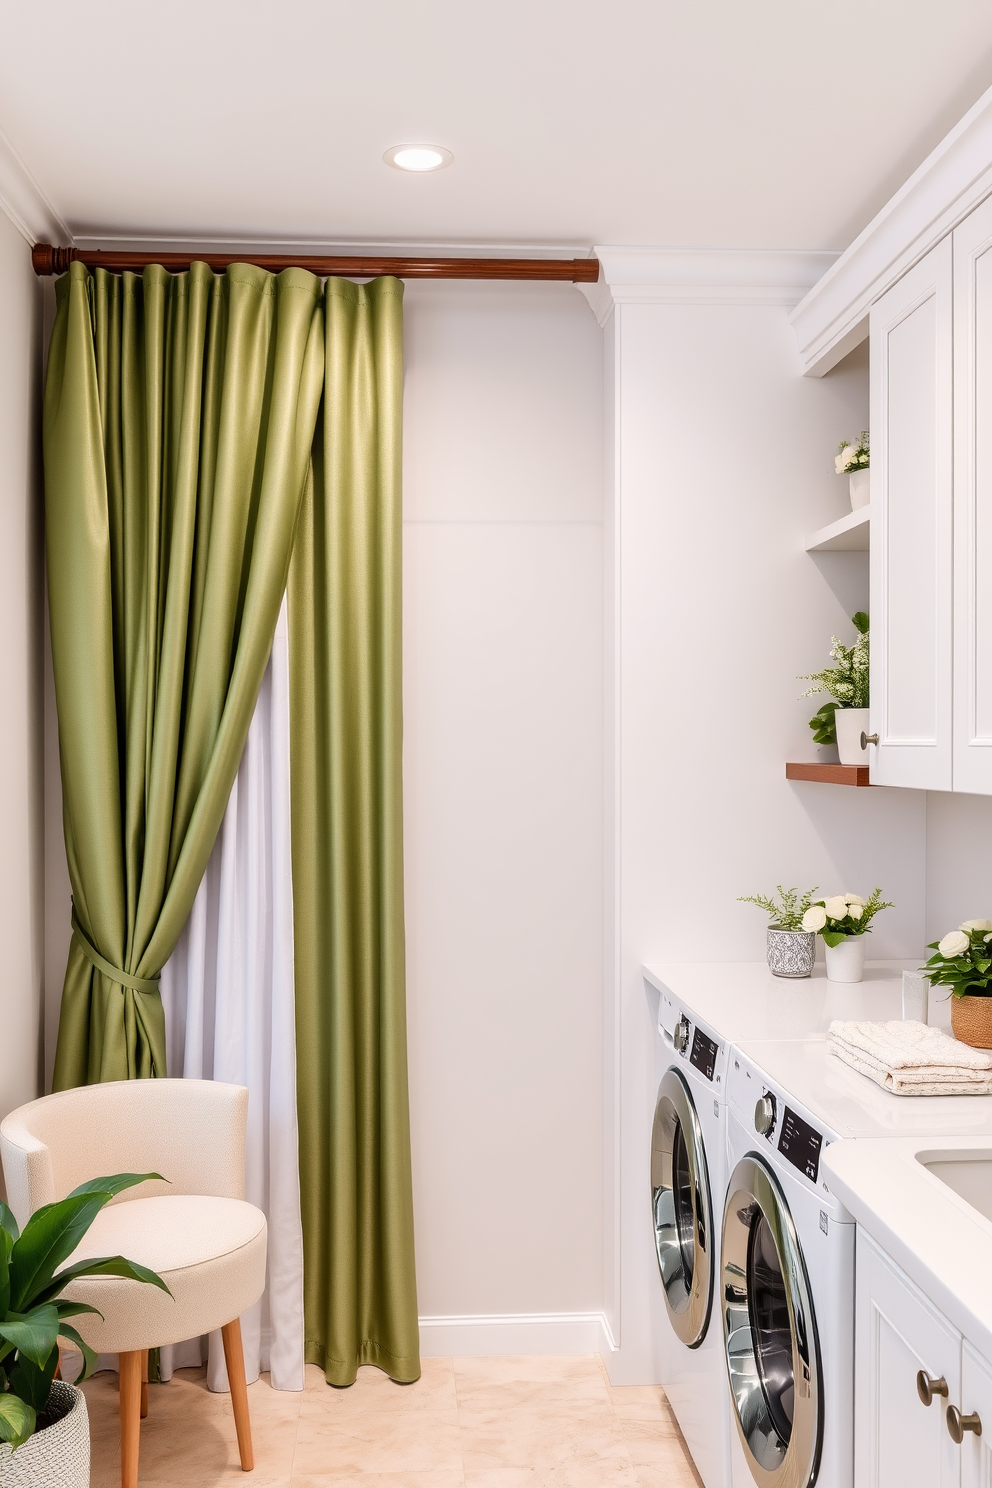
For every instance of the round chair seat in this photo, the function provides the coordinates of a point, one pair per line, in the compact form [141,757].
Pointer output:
[210,1253]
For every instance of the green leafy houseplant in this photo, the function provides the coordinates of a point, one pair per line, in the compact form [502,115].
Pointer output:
[843,915]
[32,1316]
[785,908]
[846,681]
[962,960]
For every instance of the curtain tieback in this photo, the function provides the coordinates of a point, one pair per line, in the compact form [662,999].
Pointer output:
[114,973]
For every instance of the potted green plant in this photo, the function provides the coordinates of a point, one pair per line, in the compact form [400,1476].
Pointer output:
[962,961]
[843,921]
[844,719]
[44,1432]
[852,460]
[790,950]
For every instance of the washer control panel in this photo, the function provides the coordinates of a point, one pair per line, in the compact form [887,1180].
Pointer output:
[693,1045]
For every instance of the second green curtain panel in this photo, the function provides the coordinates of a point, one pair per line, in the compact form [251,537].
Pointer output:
[346,770]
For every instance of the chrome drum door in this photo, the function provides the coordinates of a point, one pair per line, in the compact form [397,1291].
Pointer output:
[682,1210]
[769,1329]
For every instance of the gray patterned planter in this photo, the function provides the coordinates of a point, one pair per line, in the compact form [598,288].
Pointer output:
[790,953]
[58,1456]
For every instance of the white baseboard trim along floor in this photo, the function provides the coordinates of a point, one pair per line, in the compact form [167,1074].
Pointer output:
[516,1333]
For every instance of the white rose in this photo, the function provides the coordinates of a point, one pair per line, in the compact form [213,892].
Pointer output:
[851,456]
[856,911]
[815,917]
[840,461]
[857,899]
[955,943]
[983,925]
[836,907]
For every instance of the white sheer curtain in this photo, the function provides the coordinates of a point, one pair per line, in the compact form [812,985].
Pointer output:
[230,1015]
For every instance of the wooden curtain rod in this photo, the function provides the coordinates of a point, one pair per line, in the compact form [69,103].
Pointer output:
[50,260]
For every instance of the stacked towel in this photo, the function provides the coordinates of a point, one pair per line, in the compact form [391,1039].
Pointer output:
[911,1058]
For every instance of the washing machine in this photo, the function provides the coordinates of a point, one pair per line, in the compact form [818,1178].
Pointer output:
[787,1264]
[701,1008]
[688,1175]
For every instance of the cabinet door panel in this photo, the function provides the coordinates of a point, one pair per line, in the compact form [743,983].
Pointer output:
[911,556]
[899,1442]
[976,1396]
[973,503]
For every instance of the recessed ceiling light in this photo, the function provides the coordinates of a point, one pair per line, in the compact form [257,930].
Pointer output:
[419,158]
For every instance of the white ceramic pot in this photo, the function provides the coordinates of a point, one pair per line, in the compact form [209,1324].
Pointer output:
[846,961]
[59,1455]
[860,488]
[850,724]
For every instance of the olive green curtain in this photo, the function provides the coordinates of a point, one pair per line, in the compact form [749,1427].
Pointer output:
[178,421]
[346,772]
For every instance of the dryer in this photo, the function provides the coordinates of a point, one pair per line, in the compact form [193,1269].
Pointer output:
[787,1267]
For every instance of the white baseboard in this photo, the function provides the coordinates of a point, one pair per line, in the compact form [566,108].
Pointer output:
[516,1333]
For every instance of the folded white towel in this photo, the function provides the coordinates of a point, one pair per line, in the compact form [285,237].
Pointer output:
[911,1058]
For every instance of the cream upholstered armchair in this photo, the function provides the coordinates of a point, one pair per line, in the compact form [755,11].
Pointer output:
[195,1230]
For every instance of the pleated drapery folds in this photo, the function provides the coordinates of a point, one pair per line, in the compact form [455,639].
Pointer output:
[178,421]
[180,416]
[345,619]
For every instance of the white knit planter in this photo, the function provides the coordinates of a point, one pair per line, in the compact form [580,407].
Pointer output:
[58,1456]
[860,488]
[850,724]
[846,961]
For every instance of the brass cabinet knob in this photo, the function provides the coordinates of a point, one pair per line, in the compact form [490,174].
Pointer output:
[927,1387]
[957,1424]
[867,739]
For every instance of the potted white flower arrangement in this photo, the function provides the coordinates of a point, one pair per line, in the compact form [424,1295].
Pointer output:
[843,921]
[844,719]
[962,960]
[790,949]
[852,460]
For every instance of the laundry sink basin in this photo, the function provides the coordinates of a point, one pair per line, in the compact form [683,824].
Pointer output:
[967,1173]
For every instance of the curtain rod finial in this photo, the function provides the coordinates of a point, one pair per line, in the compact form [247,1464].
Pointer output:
[47,260]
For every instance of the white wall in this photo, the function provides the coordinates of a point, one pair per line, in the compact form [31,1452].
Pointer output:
[503,780]
[21,804]
[959,860]
[724,463]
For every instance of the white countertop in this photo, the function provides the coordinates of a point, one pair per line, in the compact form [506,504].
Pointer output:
[742,1000]
[848,1104]
[939,1240]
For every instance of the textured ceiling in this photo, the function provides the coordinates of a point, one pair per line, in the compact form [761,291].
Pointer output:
[737,123]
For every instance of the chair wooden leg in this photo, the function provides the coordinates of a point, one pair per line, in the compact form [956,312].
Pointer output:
[235,1358]
[130,1367]
[144,1383]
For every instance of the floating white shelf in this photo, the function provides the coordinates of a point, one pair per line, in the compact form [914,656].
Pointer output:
[849,535]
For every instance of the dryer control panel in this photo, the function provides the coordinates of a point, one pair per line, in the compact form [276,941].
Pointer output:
[776,1119]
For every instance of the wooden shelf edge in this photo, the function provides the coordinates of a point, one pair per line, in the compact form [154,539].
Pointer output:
[828,774]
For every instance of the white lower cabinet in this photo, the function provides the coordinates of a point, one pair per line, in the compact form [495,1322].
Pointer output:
[976,1407]
[906,1355]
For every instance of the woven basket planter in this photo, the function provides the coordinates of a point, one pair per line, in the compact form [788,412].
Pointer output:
[59,1455]
[971,1021]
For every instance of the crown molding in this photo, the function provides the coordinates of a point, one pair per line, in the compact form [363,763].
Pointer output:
[702,276]
[950,183]
[24,202]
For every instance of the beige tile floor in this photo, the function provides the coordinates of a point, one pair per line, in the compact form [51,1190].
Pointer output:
[548,1422]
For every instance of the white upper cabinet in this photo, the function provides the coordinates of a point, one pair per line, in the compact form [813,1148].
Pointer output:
[911,552]
[973,502]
